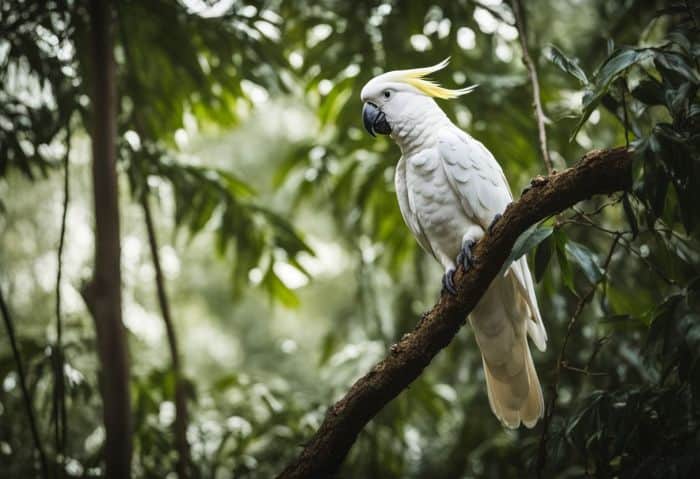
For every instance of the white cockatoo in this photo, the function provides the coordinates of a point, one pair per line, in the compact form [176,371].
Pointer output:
[450,189]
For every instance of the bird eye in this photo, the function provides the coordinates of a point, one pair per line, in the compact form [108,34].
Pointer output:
[387,94]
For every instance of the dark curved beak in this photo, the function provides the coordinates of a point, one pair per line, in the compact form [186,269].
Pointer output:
[374,120]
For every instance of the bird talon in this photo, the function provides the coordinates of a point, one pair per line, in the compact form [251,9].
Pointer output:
[465,256]
[448,282]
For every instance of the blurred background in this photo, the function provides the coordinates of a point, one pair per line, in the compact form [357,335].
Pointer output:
[288,269]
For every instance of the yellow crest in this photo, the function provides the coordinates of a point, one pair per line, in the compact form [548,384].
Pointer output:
[416,78]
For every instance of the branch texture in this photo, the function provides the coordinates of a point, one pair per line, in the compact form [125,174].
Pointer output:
[599,172]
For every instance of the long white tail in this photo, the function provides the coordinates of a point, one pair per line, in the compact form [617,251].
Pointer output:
[500,323]
[518,398]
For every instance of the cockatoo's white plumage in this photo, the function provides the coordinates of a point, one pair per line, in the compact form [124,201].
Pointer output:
[450,188]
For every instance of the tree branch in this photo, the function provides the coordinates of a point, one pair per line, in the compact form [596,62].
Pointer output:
[59,393]
[182,446]
[180,423]
[518,13]
[599,172]
[26,397]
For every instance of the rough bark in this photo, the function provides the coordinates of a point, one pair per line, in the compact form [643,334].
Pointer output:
[599,172]
[103,293]
[180,423]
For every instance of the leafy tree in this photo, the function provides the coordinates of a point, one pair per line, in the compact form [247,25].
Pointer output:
[617,275]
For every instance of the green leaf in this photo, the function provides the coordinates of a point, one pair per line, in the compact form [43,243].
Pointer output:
[619,62]
[649,92]
[677,63]
[543,253]
[530,238]
[329,345]
[566,64]
[278,290]
[586,260]
[560,240]
[629,214]
[614,66]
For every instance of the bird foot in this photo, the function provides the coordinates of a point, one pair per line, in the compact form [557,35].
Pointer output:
[465,256]
[448,282]
[493,222]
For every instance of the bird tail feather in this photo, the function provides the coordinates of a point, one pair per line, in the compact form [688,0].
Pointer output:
[518,397]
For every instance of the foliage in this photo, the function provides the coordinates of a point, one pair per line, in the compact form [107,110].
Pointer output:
[233,205]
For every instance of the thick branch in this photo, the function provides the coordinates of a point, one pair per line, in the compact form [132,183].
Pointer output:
[599,172]
[535,82]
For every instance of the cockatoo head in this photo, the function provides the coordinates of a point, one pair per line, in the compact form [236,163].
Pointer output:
[388,98]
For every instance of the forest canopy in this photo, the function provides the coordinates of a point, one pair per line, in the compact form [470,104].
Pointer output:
[204,271]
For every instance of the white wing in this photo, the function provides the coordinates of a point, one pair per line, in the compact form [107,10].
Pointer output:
[474,175]
[409,215]
[478,180]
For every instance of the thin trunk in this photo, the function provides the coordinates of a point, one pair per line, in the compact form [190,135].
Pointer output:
[519,13]
[180,425]
[59,402]
[103,293]
[181,414]
[26,397]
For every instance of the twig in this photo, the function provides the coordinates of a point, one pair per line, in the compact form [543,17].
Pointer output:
[27,399]
[649,264]
[585,370]
[624,113]
[519,14]
[598,209]
[180,424]
[582,219]
[599,172]
[494,12]
[562,364]
[59,403]
[600,342]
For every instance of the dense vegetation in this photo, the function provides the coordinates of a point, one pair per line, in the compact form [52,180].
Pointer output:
[264,262]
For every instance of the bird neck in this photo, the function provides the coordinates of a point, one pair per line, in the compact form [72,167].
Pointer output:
[416,127]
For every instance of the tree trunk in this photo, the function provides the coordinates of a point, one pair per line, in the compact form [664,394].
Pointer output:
[103,293]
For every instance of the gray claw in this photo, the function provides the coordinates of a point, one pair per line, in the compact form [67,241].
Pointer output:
[465,256]
[448,282]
